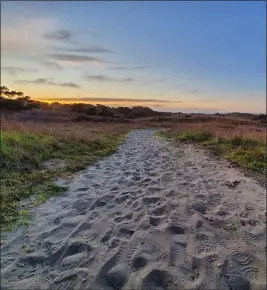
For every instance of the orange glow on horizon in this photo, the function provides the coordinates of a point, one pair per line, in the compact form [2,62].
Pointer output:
[116,103]
[166,106]
[162,105]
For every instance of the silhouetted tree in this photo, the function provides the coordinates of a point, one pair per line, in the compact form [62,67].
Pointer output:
[12,100]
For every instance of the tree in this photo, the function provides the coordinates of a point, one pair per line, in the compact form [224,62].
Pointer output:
[13,100]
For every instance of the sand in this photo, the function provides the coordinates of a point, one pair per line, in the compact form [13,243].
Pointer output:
[151,216]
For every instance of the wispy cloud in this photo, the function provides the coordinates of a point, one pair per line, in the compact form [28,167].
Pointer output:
[137,67]
[150,81]
[101,78]
[69,85]
[45,81]
[163,80]
[52,65]
[12,70]
[76,58]
[104,100]
[192,91]
[60,35]
[89,49]
[127,101]
[20,36]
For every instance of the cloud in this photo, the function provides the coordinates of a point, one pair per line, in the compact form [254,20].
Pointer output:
[37,81]
[52,64]
[106,100]
[128,67]
[89,49]
[164,105]
[147,81]
[20,36]
[60,35]
[101,78]
[75,58]
[70,85]
[44,81]
[125,101]
[160,80]
[15,70]
[192,91]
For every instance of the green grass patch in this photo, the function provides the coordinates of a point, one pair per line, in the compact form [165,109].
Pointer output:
[45,193]
[163,134]
[23,174]
[27,249]
[244,152]
[194,136]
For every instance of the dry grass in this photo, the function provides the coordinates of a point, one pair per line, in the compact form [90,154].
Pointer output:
[30,138]
[222,130]
[25,145]
[69,125]
[82,131]
[243,142]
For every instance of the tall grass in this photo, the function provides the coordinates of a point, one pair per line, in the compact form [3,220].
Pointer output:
[30,138]
[222,130]
[26,145]
[244,145]
[82,131]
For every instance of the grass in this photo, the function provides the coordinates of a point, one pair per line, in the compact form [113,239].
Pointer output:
[244,146]
[24,149]
[164,133]
[194,136]
[27,249]
[30,138]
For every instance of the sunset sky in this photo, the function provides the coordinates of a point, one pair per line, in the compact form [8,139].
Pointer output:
[202,56]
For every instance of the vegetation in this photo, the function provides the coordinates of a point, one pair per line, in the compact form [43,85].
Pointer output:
[15,101]
[27,249]
[76,135]
[242,145]
[111,112]
[24,148]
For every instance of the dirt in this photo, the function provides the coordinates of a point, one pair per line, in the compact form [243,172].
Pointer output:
[151,216]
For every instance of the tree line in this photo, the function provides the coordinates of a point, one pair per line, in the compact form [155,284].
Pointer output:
[17,101]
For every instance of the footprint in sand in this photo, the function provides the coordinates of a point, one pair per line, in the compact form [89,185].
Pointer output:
[150,216]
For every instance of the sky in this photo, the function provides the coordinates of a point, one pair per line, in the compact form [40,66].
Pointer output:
[179,56]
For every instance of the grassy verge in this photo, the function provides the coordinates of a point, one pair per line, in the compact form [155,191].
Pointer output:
[23,173]
[247,153]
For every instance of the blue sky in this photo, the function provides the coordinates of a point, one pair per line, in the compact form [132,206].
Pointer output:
[179,56]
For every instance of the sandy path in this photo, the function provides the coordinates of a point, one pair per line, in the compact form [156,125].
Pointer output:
[148,217]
